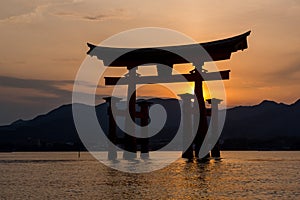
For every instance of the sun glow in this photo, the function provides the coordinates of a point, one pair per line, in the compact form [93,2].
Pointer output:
[206,93]
[190,90]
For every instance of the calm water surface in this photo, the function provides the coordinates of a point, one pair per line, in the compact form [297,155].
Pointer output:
[238,175]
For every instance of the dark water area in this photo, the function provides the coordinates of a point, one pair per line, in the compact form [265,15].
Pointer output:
[238,175]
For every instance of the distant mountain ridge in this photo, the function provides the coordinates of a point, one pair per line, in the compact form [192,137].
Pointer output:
[268,125]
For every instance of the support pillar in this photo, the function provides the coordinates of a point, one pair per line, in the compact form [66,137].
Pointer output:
[112,128]
[215,152]
[187,151]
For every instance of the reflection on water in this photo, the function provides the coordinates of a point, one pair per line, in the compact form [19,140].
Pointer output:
[261,175]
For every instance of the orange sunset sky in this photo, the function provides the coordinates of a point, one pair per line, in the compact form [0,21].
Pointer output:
[43,43]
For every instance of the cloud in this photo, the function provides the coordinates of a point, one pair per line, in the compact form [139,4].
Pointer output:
[35,13]
[14,8]
[25,98]
[49,89]
[42,85]
[98,15]
[33,91]
[287,74]
[16,11]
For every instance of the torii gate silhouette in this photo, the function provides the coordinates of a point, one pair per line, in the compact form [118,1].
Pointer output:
[131,58]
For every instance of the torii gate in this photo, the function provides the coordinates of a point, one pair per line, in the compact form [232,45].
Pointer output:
[131,58]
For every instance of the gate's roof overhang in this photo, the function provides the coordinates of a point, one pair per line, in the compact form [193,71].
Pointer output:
[169,55]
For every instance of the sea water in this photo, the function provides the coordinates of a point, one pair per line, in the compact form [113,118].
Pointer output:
[237,175]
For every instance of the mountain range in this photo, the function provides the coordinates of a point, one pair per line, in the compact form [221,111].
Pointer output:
[266,126]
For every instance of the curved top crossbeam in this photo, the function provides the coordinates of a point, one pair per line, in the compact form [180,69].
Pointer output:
[131,57]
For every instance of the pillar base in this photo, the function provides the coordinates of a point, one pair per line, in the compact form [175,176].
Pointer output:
[205,158]
[112,155]
[215,152]
[145,155]
[189,154]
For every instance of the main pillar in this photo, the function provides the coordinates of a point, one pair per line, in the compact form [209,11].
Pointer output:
[130,141]
[203,127]
[112,127]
